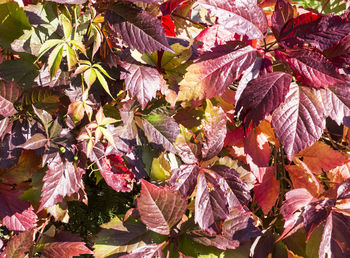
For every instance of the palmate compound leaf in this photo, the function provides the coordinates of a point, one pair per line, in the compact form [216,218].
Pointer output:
[215,71]
[218,190]
[313,68]
[142,82]
[335,238]
[160,208]
[138,28]
[184,179]
[19,245]
[161,130]
[16,215]
[9,94]
[62,179]
[244,17]
[262,96]
[298,122]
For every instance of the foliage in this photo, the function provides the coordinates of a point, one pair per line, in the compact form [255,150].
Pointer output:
[178,128]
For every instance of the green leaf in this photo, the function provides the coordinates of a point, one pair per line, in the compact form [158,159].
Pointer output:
[55,59]
[90,76]
[79,45]
[48,45]
[67,26]
[103,82]
[71,57]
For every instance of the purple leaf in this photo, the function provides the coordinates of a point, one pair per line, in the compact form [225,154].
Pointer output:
[336,101]
[335,238]
[142,82]
[9,94]
[160,208]
[62,179]
[16,215]
[244,17]
[262,96]
[298,122]
[35,142]
[184,179]
[216,70]
[314,69]
[146,251]
[282,14]
[138,28]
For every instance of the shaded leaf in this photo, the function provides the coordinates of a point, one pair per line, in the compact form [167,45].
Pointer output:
[9,94]
[282,14]
[262,96]
[162,130]
[215,71]
[244,17]
[160,208]
[138,28]
[298,122]
[267,192]
[142,82]
[19,244]
[37,141]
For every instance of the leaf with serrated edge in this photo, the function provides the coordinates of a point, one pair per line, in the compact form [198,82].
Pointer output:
[184,179]
[9,93]
[160,208]
[298,122]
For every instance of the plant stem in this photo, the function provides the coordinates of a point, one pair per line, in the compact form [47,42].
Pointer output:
[190,20]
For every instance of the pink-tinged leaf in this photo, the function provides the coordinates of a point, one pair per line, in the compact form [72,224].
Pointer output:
[210,204]
[320,31]
[258,151]
[335,238]
[161,130]
[320,158]
[19,245]
[291,210]
[214,129]
[218,241]
[9,94]
[35,142]
[142,82]
[184,179]
[160,208]
[62,179]
[116,174]
[298,122]
[147,251]
[139,29]
[339,174]
[169,6]
[16,215]
[244,17]
[336,101]
[214,36]
[283,13]
[302,177]
[239,226]
[188,151]
[215,71]
[314,69]
[262,96]
[266,193]
[64,244]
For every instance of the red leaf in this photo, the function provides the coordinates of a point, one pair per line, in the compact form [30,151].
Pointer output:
[116,174]
[298,122]
[262,96]
[168,25]
[139,29]
[19,245]
[314,69]
[244,17]
[169,6]
[142,82]
[214,36]
[9,93]
[267,191]
[62,179]
[16,215]
[160,208]
[184,179]
[282,14]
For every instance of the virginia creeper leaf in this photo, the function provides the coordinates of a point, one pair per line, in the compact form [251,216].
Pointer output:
[262,96]
[160,208]
[298,122]
[184,179]
[9,94]
[19,244]
[138,28]
[244,17]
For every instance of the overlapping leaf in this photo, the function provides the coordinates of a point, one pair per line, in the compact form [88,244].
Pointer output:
[244,17]
[9,94]
[215,71]
[298,122]
[139,29]
[282,14]
[160,208]
[262,96]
